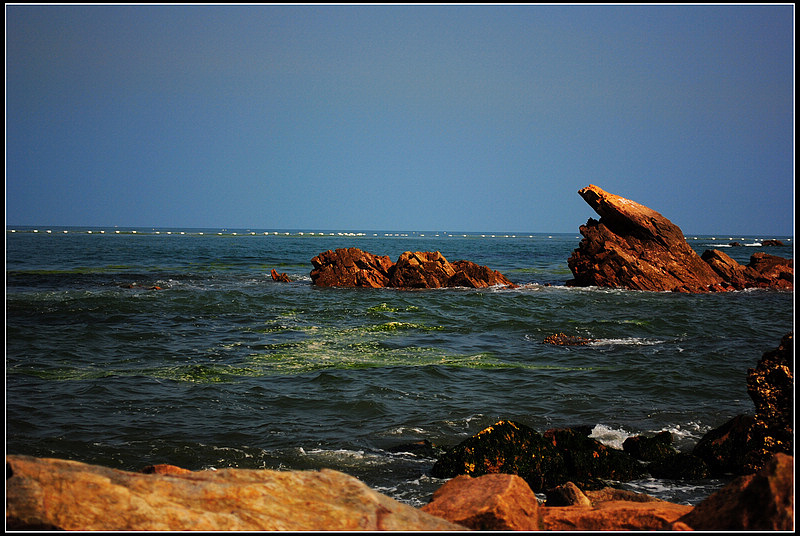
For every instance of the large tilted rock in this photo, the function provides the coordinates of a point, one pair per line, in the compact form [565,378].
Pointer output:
[352,267]
[50,494]
[635,247]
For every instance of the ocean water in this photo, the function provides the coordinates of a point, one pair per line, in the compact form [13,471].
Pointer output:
[131,347]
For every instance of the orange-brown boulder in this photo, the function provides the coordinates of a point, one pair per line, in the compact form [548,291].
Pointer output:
[489,502]
[350,267]
[758,502]
[614,515]
[470,274]
[421,270]
[50,494]
[281,278]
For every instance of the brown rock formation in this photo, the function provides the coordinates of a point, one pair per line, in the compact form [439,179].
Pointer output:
[746,443]
[635,247]
[489,502]
[562,339]
[469,274]
[614,515]
[763,270]
[281,278]
[567,495]
[355,268]
[771,387]
[544,461]
[757,502]
[421,270]
[350,267]
[49,494]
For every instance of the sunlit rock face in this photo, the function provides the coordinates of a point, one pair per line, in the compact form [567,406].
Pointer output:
[635,247]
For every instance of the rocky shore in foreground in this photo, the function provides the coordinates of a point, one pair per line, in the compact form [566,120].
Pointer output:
[50,494]
[493,479]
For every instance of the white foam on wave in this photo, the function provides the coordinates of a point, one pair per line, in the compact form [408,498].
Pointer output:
[611,437]
[685,435]
[626,341]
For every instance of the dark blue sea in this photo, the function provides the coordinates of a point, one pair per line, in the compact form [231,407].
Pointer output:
[131,347]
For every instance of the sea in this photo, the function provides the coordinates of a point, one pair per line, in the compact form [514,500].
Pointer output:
[127,347]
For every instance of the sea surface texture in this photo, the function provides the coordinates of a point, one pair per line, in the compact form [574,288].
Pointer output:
[131,347]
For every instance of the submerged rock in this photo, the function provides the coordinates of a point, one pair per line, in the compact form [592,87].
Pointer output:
[635,247]
[562,339]
[650,449]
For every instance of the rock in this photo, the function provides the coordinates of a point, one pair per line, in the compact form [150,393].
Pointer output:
[561,339]
[771,387]
[680,466]
[763,270]
[489,502]
[724,448]
[745,443]
[731,271]
[771,242]
[544,461]
[566,495]
[615,494]
[635,247]
[421,270]
[589,463]
[609,509]
[355,268]
[615,515]
[282,278]
[469,274]
[55,494]
[757,502]
[350,267]
[770,271]
[164,469]
[505,447]
[650,448]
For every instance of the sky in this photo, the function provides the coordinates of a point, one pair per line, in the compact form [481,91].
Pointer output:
[399,117]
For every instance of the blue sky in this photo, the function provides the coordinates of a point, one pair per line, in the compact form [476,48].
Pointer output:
[452,118]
